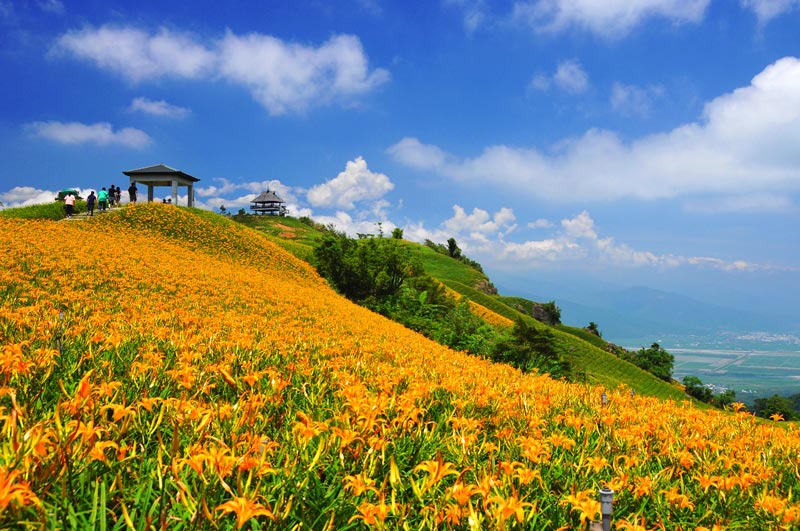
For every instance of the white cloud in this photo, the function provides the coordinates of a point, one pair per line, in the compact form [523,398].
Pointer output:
[569,77]
[631,100]
[540,82]
[158,108]
[26,195]
[355,184]
[353,226]
[138,55]
[745,143]
[577,241]
[480,222]
[226,186]
[743,203]
[101,134]
[284,77]
[581,226]
[413,153]
[766,10]
[540,223]
[474,13]
[609,18]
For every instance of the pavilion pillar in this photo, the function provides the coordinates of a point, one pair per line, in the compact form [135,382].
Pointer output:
[191,195]
[174,192]
[149,193]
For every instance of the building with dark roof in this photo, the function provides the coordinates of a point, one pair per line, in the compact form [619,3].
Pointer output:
[268,203]
[163,175]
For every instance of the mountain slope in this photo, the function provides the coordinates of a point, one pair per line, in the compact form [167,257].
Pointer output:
[589,360]
[204,378]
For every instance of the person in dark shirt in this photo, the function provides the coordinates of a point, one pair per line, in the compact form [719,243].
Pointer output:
[90,201]
[132,190]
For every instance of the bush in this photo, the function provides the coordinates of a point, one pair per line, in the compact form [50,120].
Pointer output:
[531,348]
[654,360]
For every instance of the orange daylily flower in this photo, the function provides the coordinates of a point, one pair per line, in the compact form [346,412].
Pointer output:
[244,509]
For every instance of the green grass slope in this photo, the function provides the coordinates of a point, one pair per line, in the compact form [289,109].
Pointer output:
[586,352]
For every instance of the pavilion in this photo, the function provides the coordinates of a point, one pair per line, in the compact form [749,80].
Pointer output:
[268,203]
[163,175]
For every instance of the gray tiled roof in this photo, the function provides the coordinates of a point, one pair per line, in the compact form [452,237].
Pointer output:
[159,169]
[267,197]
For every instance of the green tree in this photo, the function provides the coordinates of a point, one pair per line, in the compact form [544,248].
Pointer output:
[694,387]
[452,248]
[776,404]
[725,398]
[530,347]
[592,327]
[397,233]
[654,360]
[367,268]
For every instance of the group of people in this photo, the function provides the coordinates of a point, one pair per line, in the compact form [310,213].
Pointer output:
[106,198]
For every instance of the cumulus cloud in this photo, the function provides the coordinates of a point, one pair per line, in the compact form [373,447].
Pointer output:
[766,10]
[353,226]
[575,240]
[540,223]
[283,77]
[355,184]
[26,195]
[413,153]
[226,186]
[630,100]
[745,143]
[569,77]
[479,222]
[286,77]
[158,108]
[137,55]
[609,18]
[101,134]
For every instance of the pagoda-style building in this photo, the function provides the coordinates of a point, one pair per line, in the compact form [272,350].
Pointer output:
[268,203]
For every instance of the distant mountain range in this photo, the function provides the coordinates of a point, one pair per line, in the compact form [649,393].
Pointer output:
[640,315]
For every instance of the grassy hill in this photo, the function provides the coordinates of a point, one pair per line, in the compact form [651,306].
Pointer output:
[198,376]
[586,352]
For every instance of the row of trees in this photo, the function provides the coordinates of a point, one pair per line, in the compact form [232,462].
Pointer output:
[453,251]
[385,276]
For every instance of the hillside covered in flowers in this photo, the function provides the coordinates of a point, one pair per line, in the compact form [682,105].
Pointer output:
[164,368]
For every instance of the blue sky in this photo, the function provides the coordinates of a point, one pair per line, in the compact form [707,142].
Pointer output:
[652,142]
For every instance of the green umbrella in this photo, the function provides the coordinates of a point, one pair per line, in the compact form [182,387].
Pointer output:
[63,193]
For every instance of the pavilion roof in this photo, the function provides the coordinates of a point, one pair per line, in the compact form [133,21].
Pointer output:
[267,197]
[159,170]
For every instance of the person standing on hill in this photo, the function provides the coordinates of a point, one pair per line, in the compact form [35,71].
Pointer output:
[90,201]
[69,204]
[132,190]
[118,196]
[102,198]
[111,194]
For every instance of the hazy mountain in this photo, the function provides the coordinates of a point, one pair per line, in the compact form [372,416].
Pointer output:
[641,314]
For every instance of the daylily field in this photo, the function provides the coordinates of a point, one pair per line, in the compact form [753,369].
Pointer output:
[165,368]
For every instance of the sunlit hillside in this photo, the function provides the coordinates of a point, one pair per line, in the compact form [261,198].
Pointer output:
[168,368]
